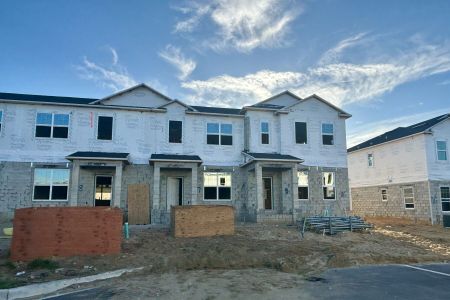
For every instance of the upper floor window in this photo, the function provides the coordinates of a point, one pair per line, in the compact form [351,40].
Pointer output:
[52,125]
[370,160]
[327,134]
[441,147]
[445,198]
[50,184]
[328,185]
[219,134]
[175,131]
[408,197]
[301,135]
[1,120]
[105,128]
[217,186]
[265,133]
[303,193]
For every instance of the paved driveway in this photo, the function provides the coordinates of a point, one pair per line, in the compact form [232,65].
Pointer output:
[431,281]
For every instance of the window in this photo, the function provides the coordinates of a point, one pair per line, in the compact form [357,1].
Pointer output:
[1,120]
[52,125]
[265,133]
[303,185]
[441,147]
[408,196]
[327,134]
[329,189]
[51,184]
[384,195]
[445,198]
[175,131]
[370,160]
[217,186]
[219,134]
[105,128]
[301,136]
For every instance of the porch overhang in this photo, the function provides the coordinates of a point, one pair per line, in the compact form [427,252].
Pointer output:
[99,156]
[271,160]
[175,158]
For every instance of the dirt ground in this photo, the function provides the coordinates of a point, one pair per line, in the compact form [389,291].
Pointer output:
[254,246]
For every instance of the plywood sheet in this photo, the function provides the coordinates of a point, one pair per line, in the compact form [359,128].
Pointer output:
[138,204]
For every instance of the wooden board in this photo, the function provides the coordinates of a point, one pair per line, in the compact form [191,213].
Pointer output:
[138,204]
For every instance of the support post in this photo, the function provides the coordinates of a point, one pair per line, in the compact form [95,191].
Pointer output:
[74,182]
[194,176]
[156,187]
[117,185]
[259,186]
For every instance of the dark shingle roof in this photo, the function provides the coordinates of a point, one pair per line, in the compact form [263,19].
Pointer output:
[176,157]
[217,110]
[41,98]
[274,156]
[98,155]
[266,105]
[400,132]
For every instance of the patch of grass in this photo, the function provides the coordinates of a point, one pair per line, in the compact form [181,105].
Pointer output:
[9,264]
[8,283]
[43,264]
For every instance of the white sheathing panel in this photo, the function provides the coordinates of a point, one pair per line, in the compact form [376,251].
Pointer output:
[139,97]
[400,161]
[139,133]
[438,170]
[314,113]
[284,99]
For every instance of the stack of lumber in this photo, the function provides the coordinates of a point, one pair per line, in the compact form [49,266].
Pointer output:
[333,225]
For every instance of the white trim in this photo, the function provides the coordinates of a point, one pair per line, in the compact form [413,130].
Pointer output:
[437,150]
[271,192]
[413,197]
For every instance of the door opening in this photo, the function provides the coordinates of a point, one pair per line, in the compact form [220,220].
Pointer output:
[103,190]
[174,191]
[267,187]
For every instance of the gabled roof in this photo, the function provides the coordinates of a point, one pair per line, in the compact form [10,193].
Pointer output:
[48,99]
[342,112]
[217,110]
[176,101]
[175,158]
[263,104]
[93,155]
[130,89]
[401,132]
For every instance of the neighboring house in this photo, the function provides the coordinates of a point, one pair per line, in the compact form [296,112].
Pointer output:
[404,172]
[275,160]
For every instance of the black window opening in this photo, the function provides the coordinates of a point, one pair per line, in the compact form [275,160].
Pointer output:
[175,131]
[52,125]
[445,198]
[105,128]
[301,135]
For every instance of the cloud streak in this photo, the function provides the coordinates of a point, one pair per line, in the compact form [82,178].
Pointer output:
[177,59]
[333,54]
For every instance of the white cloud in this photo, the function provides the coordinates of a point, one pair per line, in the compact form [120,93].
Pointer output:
[242,25]
[366,131]
[174,56]
[333,54]
[114,77]
[341,83]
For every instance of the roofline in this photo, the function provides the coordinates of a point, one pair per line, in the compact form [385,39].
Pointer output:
[342,113]
[97,158]
[279,94]
[260,108]
[384,143]
[130,89]
[179,102]
[83,105]
[299,160]
[214,114]
[174,160]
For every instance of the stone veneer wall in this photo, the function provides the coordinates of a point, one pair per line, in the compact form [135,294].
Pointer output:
[366,201]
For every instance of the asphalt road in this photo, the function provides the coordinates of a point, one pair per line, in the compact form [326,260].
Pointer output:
[430,281]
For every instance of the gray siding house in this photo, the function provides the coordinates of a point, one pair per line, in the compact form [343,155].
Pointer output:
[273,161]
[403,173]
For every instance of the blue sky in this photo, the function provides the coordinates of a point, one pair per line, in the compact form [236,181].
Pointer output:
[385,62]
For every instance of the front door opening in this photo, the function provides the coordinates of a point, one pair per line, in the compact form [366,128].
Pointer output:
[174,191]
[103,190]
[267,184]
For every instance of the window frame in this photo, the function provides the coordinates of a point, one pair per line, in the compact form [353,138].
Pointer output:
[52,125]
[299,185]
[51,185]
[306,132]
[112,127]
[447,200]
[413,197]
[445,151]
[262,133]
[370,160]
[220,134]
[322,134]
[334,186]
[386,194]
[217,175]
[168,132]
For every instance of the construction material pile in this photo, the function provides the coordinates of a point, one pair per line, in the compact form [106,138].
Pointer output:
[332,225]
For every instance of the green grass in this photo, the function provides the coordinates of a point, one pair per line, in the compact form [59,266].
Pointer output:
[9,264]
[43,264]
[8,283]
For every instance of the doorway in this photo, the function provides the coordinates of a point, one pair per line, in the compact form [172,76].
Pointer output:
[103,190]
[267,188]
[174,191]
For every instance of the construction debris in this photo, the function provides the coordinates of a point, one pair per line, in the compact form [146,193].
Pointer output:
[332,225]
